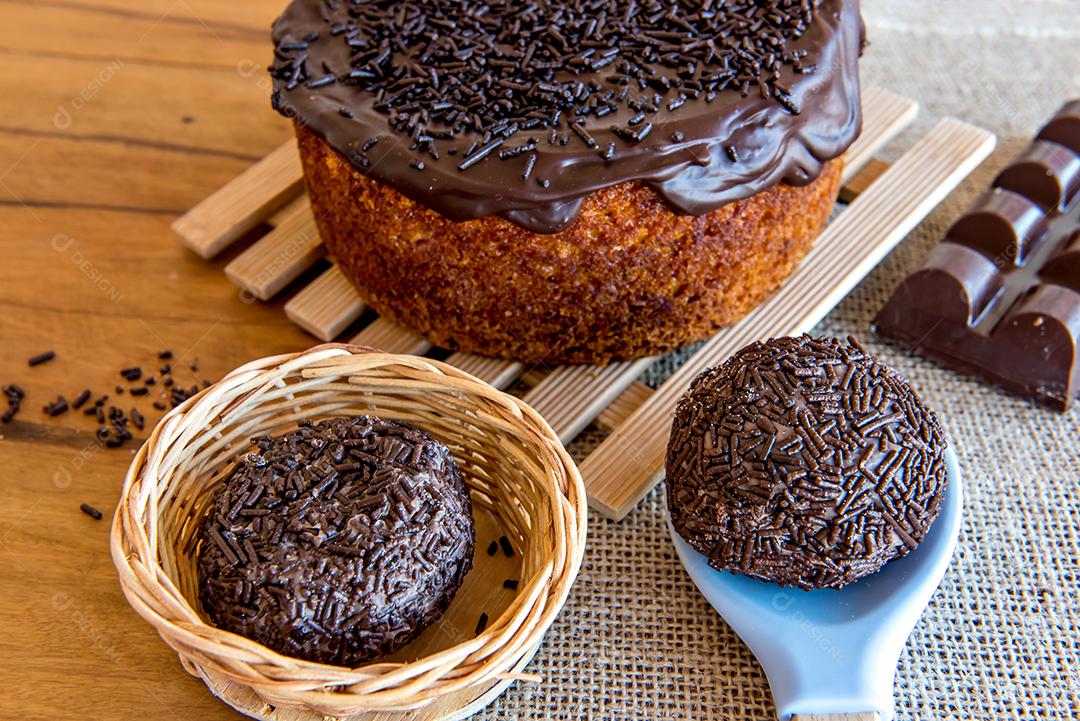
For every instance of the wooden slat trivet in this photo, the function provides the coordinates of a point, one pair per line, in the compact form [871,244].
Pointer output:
[627,464]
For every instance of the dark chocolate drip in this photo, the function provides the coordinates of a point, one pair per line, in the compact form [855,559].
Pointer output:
[698,153]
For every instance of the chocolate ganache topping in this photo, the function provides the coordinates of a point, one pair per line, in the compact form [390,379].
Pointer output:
[522,109]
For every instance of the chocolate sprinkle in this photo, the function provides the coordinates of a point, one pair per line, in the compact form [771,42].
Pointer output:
[805,462]
[15,394]
[507,548]
[60,405]
[481,623]
[81,399]
[41,358]
[90,511]
[337,542]
[490,69]
[577,73]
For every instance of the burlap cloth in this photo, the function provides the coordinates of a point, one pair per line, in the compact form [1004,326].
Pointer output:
[999,641]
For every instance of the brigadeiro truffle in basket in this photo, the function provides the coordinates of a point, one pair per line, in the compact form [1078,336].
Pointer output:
[337,542]
[569,180]
[805,462]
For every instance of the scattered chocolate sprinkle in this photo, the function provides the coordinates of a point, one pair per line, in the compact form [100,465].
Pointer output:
[60,405]
[90,511]
[507,548]
[41,358]
[481,623]
[493,548]
[138,391]
[510,584]
[80,399]
[15,394]
[165,354]
[804,461]
[131,374]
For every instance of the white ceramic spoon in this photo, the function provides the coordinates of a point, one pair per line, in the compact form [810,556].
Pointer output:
[832,655]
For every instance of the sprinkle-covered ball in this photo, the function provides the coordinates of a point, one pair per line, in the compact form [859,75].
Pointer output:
[805,462]
[337,542]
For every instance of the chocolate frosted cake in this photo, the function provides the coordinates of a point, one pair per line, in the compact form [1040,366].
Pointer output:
[570,181]
[805,462]
[338,542]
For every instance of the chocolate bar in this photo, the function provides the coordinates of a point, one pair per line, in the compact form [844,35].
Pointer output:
[999,297]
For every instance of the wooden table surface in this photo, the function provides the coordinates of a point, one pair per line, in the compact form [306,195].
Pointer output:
[115,117]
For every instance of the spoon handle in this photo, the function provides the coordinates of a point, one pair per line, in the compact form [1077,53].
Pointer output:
[861,716]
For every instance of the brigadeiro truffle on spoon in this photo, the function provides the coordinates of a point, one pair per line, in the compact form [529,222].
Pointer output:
[805,462]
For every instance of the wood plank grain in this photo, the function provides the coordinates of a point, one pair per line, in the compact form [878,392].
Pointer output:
[153,32]
[157,181]
[855,242]
[90,100]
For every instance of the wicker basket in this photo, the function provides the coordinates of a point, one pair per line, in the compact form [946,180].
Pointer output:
[523,484]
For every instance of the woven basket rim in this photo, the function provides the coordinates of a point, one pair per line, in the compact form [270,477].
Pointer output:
[478,663]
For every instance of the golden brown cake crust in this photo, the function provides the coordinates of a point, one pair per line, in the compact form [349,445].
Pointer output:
[628,279]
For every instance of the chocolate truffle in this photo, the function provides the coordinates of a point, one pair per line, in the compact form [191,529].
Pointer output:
[337,542]
[805,462]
